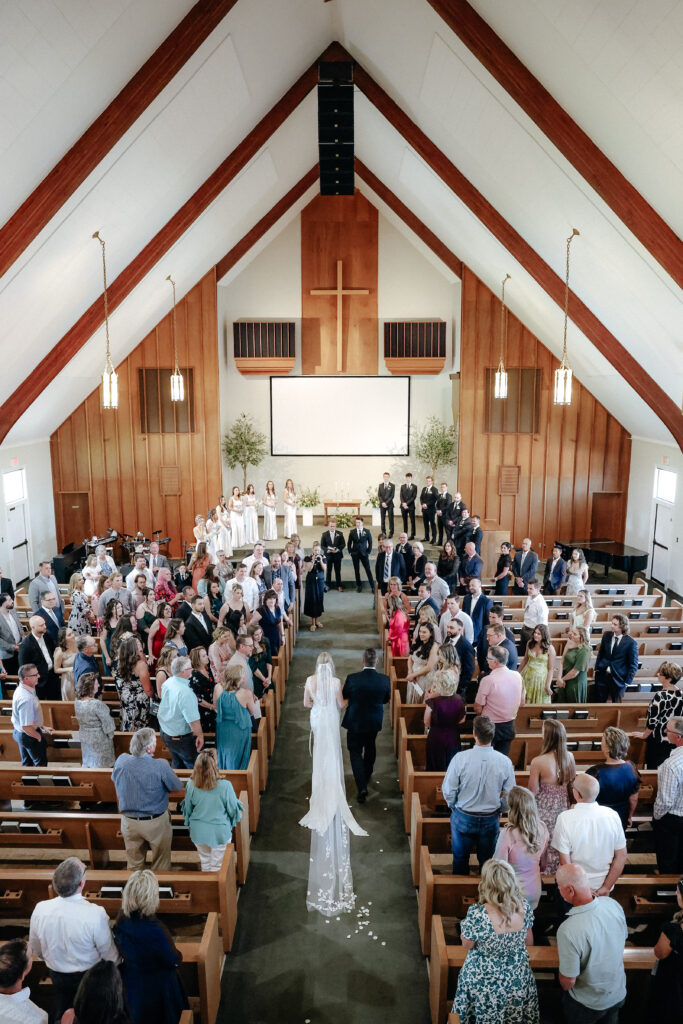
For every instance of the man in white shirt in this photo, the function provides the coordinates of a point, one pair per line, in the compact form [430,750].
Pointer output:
[249,587]
[453,612]
[591,835]
[15,1000]
[440,589]
[668,809]
[70,933]
[140,569]
[27,719]
[535,613]
[257,555]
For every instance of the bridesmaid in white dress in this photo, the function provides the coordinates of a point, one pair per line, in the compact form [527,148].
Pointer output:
[199,529]
[236,507]
[289,498]
[269,513]
[250,515]
[224,540]
[212,528]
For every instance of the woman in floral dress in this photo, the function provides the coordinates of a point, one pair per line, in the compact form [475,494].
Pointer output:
[134,698]
[80,618]
[550,776]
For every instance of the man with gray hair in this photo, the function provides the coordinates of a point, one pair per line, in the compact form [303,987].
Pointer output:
[178,716]
[70,934]
[591,835]
[143,783]
[499,696]
[440,589]
[85,660]
[590,944]
[668,810]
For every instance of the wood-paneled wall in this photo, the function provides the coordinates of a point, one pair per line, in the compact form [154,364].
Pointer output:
[104,454]
[579,450]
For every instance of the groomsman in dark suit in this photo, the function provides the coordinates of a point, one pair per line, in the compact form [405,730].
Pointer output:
[476,534]
[477,605]
[441,507]
[198,626]
[455,635]
[366,692]
[385,493]
[555,572]
[428,502]
[408,496]
[616,663]
[332,542]
[462,532]
[360,547]
[524,566]
[470,567]
[6,586]
[389,563]
[405,550]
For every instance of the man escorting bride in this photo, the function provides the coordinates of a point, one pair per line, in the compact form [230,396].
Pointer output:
[330,882]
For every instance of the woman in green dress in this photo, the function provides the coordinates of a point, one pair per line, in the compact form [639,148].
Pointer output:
[538,666]
[211,810]
[235,704]
[573,685]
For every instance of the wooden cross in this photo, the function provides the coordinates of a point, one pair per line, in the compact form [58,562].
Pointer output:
[340,292]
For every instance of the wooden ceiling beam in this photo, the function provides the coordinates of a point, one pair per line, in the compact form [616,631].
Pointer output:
[574,144]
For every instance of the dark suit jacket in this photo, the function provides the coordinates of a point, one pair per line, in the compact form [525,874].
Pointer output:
[420,604]
[480,618]
[552,583]
[52,629]
[398,568]
[366,692]
[408,494]
[466,653]
[428,497]
[530,566]
[418,570]
[194,635]
[462,534]
[360,545]
[160,562]
[483,649]
[476,536]
[31,654]
[623,662]
[406,553]
[6,587]
[326,542]
[181,581]
[386,494]
[470,568]
[183,612]
[443,503]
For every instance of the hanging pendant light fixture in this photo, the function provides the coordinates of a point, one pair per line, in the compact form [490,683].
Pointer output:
[563,374]
[110,380]
[177,382]
[500,386]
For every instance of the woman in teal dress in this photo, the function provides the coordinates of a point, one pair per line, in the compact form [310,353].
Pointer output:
[235,704]
[572,688]
[495,985]
[211,810]
[538,666]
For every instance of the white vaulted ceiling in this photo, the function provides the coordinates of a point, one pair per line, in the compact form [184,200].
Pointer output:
[247,63]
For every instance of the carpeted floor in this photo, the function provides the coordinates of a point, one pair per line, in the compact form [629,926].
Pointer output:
[289,965]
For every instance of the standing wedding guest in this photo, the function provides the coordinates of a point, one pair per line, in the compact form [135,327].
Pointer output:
[211,811]
[80,616]
[407,497]
[64,657]
[143,783]
[27,719]
[237,528]
[258,554]
[428,499]
[388,563]
[235,705]
[96,727]
[523,842]
[198,563]
[496,984]
[417,566]
[224,567]
[426,614]
[269,503]
[666,994]
[524,566]
[360,548]
[221,650]
[151,979]
[424,597]
[333,544]
[86,660]
[441,506]
[496,636]
[198,627]
[140,569]
[583,613]
[454,611]
[399,626]
[365,693]
[133,685]
[15,999]
[146,616]
[182,578]
[234,613]
[592,836]
[667,816]
[439,588]
[555,572]
[156,635]
[69,933]
[535,613]
[185,606]
[115,592]
[619,779]
[616,663]
[51,612]
[162,670]
[250,515]
[577,572]
[422,661]
[503,566]
[6,585]
[590,944]
[477,534]
[315,587]
[666,704]
[37,649]
[44,582]
[156,561]
[290,501]
[175,635]
[444,714]
[475,787]
[105,563]
[551,775]
[269,617]
[179,722]
[11,634]
[405,550]
[477,605]
[455,636]
[394,589]
[99,997]
[471,566]
[461,533]
[572,686]
[280,571]
[202,684]
[248,586]
[499,697]
[447,566]
[261,660]
[213,602]
[538,667]
[164,588]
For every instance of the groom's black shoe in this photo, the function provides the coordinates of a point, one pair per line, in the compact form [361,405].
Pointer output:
[362,796]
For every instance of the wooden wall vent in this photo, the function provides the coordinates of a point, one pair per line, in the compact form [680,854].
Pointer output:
[508,479]
[169,480]
[264,346]
[415,346]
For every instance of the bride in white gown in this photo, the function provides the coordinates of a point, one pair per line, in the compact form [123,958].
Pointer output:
[330,882]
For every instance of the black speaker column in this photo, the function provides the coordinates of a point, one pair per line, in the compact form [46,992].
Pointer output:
[335,128]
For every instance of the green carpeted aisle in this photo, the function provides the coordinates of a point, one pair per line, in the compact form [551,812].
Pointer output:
[291,966]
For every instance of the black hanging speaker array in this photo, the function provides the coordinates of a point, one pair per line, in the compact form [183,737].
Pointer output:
[335,127]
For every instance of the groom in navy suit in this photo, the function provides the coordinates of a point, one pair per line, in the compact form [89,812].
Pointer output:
[366,692]
[616,663]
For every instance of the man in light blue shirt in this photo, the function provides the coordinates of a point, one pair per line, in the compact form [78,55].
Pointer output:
[474,788]
[590,944]
[178,716]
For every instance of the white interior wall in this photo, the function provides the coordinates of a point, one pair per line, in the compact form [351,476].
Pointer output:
[410,286]
[34,459]
[646,457]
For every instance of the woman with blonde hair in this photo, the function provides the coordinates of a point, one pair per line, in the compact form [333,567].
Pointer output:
[427,615]
[399,626]
[235,704]
[395,589]
[163,668]
[150,973]
[198,563]
[495,984]
[619,778]
[63,661]
[80,617]
[211,810]
[522,842]
[444,714]
[583,612]
[221,650]
[550,777]
[91,574]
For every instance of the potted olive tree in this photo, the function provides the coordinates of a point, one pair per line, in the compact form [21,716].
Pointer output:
[244,445]
[435,444]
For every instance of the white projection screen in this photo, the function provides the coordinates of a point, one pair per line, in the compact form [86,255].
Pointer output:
[339,415]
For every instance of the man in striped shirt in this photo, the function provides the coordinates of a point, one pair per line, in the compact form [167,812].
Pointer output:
[668,809]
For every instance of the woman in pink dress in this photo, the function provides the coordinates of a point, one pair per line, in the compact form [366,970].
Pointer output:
[523,842]
[399,627]
[550,778]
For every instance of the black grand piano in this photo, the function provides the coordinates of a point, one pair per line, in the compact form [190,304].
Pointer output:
[609,553]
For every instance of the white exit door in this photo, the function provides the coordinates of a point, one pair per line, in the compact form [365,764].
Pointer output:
[17,533]
[661,543]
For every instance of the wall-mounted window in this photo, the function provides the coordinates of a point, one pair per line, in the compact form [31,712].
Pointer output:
[158,414]
[665,485]
[14,486]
